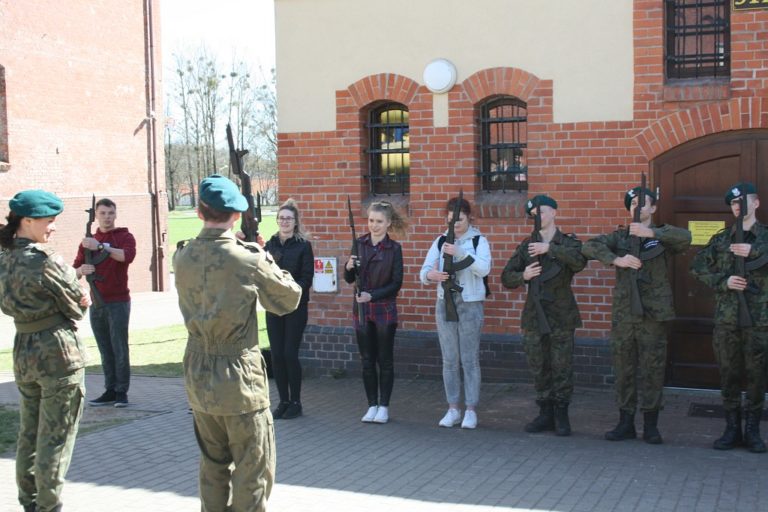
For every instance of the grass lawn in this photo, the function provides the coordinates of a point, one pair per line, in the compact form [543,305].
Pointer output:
[184,224]
[9,426]
[154,352]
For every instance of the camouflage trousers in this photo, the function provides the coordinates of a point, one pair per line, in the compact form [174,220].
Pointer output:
[741,356]
[550,358]
[238,451]
[49,413]
[639,359]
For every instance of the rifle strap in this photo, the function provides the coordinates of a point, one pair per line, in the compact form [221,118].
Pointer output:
[651,249]
[756,263]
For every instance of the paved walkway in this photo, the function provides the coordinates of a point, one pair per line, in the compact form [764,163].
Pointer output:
[145,458]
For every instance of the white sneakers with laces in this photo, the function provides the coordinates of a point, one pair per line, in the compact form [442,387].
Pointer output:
[451,418]
[382,415]
[470,419]
[370,416]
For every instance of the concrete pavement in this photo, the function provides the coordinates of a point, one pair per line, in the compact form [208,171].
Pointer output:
[144,458]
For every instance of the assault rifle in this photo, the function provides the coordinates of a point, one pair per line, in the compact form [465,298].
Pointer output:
[90,258]
[356,253]
[534,285]
[250,219]
[745,320]
[635,302]
[450,285]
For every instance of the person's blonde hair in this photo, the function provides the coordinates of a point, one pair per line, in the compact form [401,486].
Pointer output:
[298,228]
[399,224]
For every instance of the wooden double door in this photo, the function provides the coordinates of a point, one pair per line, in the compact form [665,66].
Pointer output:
[693,179]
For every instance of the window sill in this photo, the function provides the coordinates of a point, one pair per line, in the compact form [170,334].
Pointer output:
[710,89]
[501,205]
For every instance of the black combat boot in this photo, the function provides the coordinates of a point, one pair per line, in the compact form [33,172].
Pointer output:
[651,434]
[625,429]
[562,424]
[731,438]
[752,439]
[545,420]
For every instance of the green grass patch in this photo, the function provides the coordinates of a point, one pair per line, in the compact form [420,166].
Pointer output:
[154,352]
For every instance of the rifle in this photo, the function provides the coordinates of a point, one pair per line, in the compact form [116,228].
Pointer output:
[356,253]
[635,302]
[90,259]
[250,219]
[534,285]
[745,320]
[450,285]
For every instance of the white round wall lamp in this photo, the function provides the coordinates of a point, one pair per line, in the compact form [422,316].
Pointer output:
[440,76]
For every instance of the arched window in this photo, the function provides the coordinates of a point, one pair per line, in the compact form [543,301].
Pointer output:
[503,143]
[389,161]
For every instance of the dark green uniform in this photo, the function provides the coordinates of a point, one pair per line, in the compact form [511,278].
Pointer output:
[219,280]
[740,352]
[42,294]
[640,342]
[550,356]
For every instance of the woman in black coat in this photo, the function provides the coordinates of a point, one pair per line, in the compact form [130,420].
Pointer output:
[292,251]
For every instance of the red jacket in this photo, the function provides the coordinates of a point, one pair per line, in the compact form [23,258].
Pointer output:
[114,286]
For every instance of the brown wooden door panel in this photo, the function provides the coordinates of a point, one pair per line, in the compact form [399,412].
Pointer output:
[693,179]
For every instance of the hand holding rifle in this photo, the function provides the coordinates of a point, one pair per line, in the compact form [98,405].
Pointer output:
[250,218]
[92,258]
[449,283]
[740,278]
[534,272]
[635,302]
[354,264]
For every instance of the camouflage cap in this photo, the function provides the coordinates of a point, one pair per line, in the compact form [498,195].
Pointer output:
[633,193]
[540,200]
[739,189]
[36,204]
[220,193]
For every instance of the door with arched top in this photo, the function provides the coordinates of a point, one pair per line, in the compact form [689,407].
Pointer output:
[692,180]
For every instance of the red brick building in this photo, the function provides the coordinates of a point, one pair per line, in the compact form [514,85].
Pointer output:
[79,89]
[572,99]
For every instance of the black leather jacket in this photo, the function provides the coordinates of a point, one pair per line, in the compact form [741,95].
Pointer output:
[296,257]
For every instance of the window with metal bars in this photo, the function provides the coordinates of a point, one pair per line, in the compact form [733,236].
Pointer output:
[698,38]
[389,162]
[503,143]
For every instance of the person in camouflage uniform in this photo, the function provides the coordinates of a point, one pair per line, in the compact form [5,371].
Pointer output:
[554,260]
[740,351]
[219,281]
[42,294]
[639,341]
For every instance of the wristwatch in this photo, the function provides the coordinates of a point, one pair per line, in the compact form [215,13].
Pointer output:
[103,246]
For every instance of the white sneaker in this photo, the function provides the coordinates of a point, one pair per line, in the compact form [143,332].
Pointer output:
[370,415]
[451,418]
[382,415]
[470,419]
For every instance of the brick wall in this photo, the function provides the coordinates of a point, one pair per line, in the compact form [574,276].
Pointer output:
[586,166]
[77,111]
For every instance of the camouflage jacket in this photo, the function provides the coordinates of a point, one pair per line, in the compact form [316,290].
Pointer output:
[562,261]
[42,294]
[655,288]
[715,263]
[219,279]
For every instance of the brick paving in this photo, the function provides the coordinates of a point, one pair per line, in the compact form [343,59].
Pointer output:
[329,461]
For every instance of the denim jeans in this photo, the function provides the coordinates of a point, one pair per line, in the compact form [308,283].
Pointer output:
[110,328]
[460,342]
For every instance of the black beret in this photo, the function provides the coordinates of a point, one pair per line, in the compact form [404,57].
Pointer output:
[633,193]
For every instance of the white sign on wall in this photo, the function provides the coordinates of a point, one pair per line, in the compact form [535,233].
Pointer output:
[324,280]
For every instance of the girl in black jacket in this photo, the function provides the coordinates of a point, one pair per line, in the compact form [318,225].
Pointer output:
[292,251]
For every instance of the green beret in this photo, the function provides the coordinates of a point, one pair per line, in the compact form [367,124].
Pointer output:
[739,189]
[540,200]
[631,194]
[220,193]
[36,204]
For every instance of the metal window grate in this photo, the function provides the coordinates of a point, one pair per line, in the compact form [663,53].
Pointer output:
[698,43]
[389,161]
[503,143]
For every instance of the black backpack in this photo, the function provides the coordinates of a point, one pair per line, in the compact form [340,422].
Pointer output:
[475,241]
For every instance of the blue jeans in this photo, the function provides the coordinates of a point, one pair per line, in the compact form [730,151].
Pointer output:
[110,328]
[460,342]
